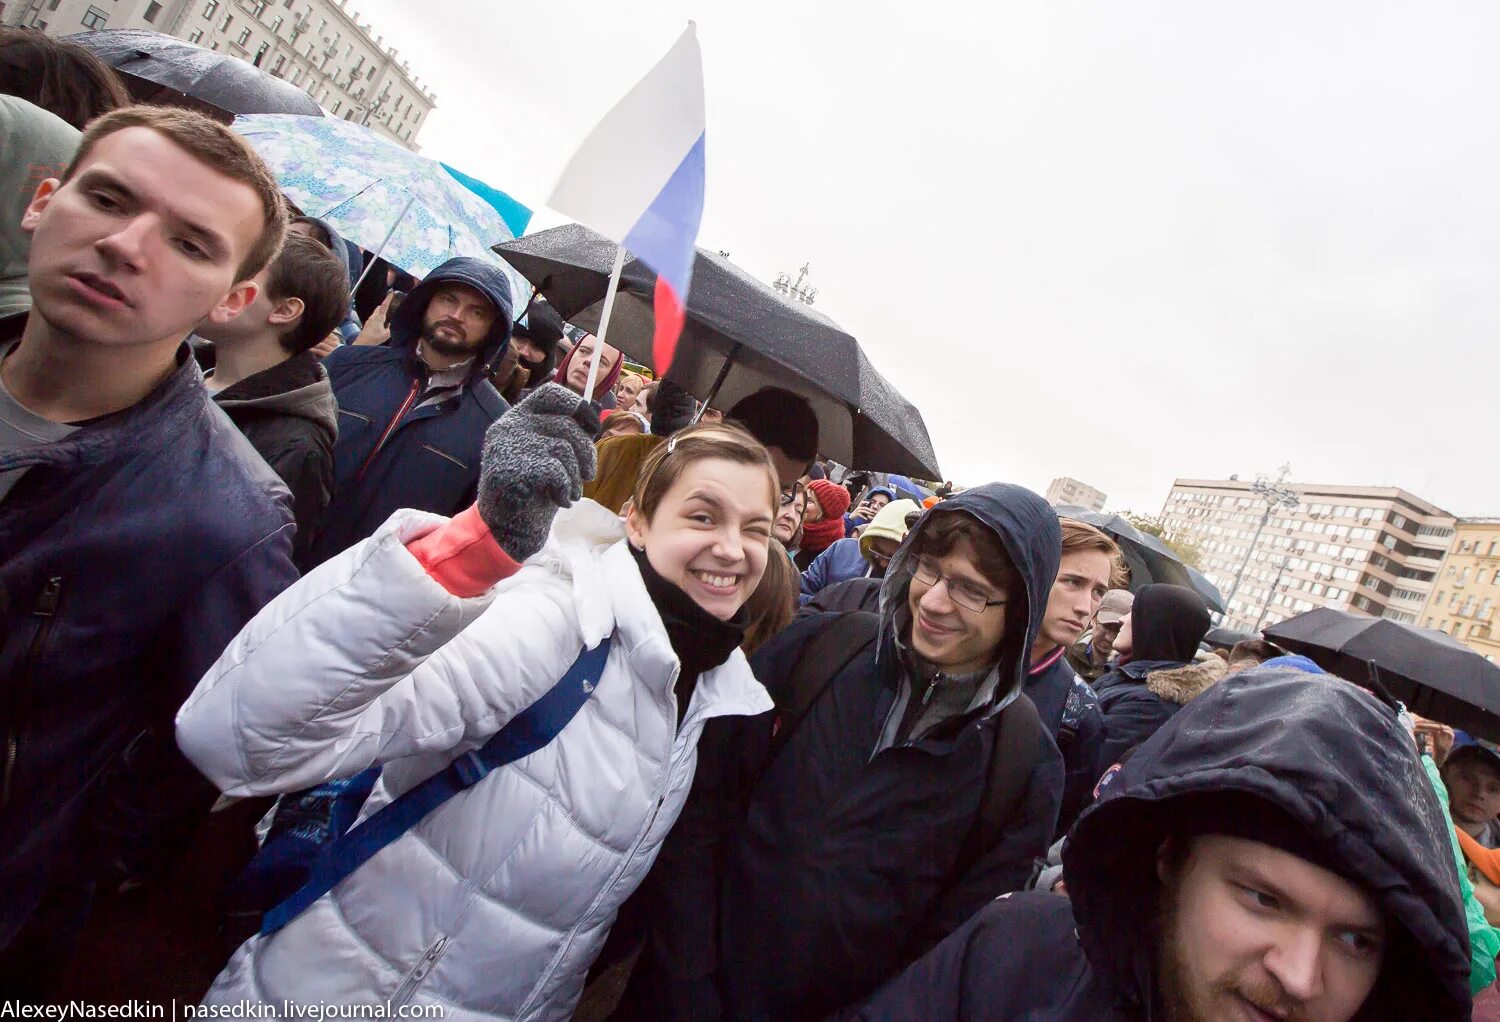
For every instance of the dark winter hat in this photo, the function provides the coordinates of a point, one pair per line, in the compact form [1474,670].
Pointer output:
[672,408]
[1478,749]
[1167,623]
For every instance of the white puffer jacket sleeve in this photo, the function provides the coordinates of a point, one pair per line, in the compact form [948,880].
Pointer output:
[361,662]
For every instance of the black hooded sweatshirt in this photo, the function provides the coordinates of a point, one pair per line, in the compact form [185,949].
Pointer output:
[791,887]
[1167,624]
[1319,753]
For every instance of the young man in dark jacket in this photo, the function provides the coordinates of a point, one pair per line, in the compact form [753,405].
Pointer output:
[1067,705]
[138,529]
[1156,674]
[267,380]
[1273,852]
[811,863]
[413,411]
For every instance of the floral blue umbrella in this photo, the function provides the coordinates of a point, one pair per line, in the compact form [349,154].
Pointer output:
[402,206]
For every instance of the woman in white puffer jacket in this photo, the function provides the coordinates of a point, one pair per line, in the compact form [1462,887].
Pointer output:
[404,652]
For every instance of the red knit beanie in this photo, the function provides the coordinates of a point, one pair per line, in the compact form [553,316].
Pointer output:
[831,497]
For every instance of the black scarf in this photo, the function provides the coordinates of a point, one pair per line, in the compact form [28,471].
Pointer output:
[700,640]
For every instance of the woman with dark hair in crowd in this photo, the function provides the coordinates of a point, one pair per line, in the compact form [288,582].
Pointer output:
[59,76]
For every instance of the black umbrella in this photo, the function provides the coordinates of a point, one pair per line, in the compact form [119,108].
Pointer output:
[1148,558]
[736,322]
[1433,673]
[1225,638]
[150,62]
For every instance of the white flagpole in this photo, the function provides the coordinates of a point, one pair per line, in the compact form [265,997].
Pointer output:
[609,306]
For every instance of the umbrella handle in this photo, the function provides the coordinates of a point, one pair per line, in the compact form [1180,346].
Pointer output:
[1378,687]
[713,391]
[410,198]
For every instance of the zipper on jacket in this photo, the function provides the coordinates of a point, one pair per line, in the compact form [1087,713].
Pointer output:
[411,395]
[46,609]
[408,988]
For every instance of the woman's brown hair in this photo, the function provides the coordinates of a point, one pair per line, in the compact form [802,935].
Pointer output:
[665,465]
[774,603]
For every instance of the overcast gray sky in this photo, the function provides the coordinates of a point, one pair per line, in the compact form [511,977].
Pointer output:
[1119,241]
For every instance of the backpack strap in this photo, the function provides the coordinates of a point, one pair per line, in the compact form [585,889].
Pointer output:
[824,658]
[525,733]
[1018,735]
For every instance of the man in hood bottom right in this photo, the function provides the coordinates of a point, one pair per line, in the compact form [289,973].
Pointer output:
[1273,852]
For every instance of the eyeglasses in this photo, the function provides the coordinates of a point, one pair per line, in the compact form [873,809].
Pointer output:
[791,494]
[961,591]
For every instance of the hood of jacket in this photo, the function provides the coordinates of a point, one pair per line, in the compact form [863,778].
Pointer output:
[1167,623]
[1028,531]
[484,277]
[299,386]
[1330,759]
[1179,684]
[889,523]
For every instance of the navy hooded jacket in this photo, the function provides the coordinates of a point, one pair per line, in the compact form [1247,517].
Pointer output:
[131,552]
[790,888]
[392,451]
[1332,760]
[1070,711]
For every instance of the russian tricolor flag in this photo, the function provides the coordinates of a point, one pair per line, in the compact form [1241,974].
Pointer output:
[638,179]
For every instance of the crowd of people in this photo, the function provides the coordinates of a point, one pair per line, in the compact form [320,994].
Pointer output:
[609,704]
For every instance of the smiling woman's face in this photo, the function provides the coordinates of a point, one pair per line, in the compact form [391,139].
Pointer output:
[710,533]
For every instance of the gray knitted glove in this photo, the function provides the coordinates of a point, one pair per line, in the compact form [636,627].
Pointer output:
[536,458]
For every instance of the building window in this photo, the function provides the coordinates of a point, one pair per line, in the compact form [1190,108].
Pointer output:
[210,9]
[280,63]
[152,10]
[224,25]
[195,35]
[244,35]
[260,7]
[260,54]
[94,18]
[335,108]
[276,24]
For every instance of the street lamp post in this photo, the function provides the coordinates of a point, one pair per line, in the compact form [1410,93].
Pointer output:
[1280,570]
[796,288]
[1275,494]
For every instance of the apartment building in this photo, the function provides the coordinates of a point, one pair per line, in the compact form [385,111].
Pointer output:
[1466,592]
[1366,549]
[321,46]
[1070,491]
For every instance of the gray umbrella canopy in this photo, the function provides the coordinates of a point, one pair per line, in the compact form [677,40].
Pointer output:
[216,79]
[740,335]
[1148,558]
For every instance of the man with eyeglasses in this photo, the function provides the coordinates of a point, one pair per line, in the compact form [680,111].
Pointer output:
[867,555]
[903,781]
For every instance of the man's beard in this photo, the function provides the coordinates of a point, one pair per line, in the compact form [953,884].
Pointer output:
[444,344]
[1180,1003]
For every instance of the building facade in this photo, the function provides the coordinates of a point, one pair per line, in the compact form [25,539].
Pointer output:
[1366,549]
[1466,592]
[1071,491]
[319,46]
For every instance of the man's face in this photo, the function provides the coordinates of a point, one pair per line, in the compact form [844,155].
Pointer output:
[789,519]
[882,549]
[788,468]
[1473,791]
[1250,932]
[142,244]
[1104,637]
[578,369]
[957,638]
[1082,581]
[877,501]
[527,351]
[457,320]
